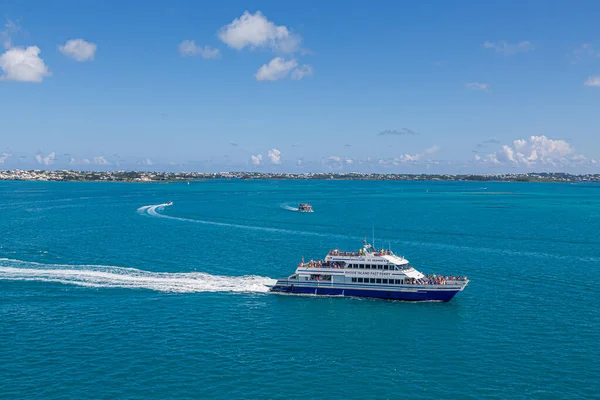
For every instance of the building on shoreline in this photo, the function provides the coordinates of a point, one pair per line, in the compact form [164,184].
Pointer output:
[147,176]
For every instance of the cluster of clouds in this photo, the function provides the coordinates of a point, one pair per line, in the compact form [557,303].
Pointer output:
[53,159]
[24,64]
[426,157]
[530,153]
[535,151]
[274,156]
[250,31]
[256,32]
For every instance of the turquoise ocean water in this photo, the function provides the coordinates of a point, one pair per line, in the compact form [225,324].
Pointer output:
[104,297]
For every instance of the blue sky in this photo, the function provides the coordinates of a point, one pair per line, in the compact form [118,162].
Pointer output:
[434,86]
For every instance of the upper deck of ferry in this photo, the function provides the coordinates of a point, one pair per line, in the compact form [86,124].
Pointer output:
[366,258]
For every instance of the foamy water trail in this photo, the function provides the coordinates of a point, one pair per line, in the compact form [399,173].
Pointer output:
[153,210]
[288,207]
[103,276]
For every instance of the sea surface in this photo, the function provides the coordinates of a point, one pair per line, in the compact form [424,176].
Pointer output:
[105,294]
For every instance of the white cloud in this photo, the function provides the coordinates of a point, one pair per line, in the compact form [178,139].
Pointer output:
[534,151]
[78,50]
[189,48]
[593,81]
[23,65]
[257,159]
[509,49]
[477,86]
[302,71]
[48,160]
[79,161]
[4,156]
[278,68]
[274,156]
[10,28]
[255,30]
[147,161]
[100,160]
[425,155]
[336,162]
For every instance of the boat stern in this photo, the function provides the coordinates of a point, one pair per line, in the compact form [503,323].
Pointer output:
[282,286]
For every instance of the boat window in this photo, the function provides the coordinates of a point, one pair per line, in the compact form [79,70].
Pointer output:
[385,267]
[399,281]
[378,280]
[360,280]
[372,280]
[380,267]
[353,279]
[384,281]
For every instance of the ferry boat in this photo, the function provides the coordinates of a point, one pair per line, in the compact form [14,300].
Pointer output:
[305,207]
[369,273]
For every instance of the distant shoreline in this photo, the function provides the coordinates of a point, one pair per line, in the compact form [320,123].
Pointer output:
[146,176]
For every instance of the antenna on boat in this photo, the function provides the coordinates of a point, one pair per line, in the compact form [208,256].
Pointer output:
[373,236]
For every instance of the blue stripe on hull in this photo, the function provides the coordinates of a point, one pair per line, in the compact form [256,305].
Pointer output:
[422,295]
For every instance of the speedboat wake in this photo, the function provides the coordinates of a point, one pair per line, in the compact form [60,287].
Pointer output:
[104,276]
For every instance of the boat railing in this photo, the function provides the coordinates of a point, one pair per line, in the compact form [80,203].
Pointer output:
[320,265]
[438,280]
[344,253]
[361,253]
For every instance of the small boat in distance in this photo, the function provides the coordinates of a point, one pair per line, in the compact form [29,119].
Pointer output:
[305,207]
[170,203]
[369,272]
